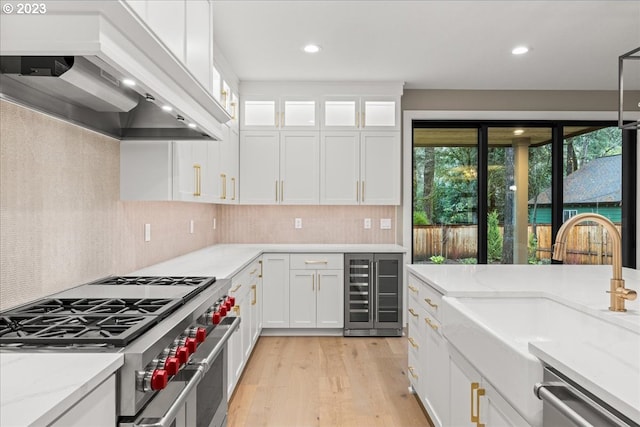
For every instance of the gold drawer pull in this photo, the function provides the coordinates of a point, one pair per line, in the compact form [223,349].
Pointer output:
[412,372]
[260,262]
[236,309]
[316,262]
[255,295]
[413,313]
[479,392]
[434,327]
[428,301]
[234,290]
[413,289]
[413,343]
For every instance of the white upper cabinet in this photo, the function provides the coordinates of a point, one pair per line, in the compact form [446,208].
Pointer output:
[360,168]
[167,20]
[285,113]
[279,167]
[363,113]
[199,37]
[228,171]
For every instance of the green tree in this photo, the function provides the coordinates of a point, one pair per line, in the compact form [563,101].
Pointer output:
[494,239]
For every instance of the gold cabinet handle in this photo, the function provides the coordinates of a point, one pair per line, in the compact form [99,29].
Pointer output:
[413,343]
[357,120]
[316,262]
[428,301]
[282,119]
[233,181]
[233,111]
[413,289]
[253,271]
[276,191]
[223,97]
[236,310]
[428,321]
[234,290]
[412,372]
[223,179]
[475,387]
[363,122]
[413,313]
[276,119]
[197,174]
[255,294]
[260,262]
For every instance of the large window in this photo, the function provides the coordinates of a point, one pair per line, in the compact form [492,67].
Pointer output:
[496,192]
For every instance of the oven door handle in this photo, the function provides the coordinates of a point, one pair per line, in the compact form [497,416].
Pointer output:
[208,361]
[177,405]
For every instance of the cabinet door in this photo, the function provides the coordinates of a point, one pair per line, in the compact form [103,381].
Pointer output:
[299,167]
[167,21]
[146,170]
[259,172]
[256,315]
[199,39]
[435,369]
[382,113]
[298,113]
[229,166]
[463,398]
[302,298]
[380,168]
[244,311]
[330,299]
[340,168]
[259,113]
[340,113]
[234,360]
[275,291]
[211,189]
[189,160]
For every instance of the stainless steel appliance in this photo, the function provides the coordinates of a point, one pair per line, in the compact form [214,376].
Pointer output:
[172,331]
[567,404]
[373,294]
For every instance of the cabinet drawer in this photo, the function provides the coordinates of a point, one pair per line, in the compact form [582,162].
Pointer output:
[316,261]
[431,300]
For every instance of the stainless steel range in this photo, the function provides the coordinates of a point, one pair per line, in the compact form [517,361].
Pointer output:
[172,331]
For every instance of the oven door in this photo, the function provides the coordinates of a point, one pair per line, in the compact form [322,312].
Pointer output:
[197,396]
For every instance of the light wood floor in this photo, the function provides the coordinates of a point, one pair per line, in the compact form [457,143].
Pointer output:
[326,381]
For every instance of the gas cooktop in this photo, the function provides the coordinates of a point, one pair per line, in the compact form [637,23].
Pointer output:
[89,315]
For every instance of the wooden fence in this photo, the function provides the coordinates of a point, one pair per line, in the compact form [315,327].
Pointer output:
[586,244]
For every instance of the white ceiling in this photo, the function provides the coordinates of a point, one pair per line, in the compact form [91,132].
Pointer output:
[433,44]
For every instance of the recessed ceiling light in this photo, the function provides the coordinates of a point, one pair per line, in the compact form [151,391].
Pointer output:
[167,108]
[312,48]
[128,82]
[518,131]
[520,50]
[192,125]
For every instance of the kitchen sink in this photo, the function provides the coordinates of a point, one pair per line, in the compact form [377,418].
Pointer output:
[494,334]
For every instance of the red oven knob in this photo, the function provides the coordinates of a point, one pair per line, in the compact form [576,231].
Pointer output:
[171,365]
[216,317]
[191,344]
[200,335]
[232,301]
[223,310]
[159,379]
[182,353]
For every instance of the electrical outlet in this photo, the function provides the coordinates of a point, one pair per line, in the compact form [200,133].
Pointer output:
[367,223]
[298,223]
[385,224]
[191,227]
[147,232]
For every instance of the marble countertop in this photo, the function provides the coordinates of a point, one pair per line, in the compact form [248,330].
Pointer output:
[224,261]
[36,388]
[612,374]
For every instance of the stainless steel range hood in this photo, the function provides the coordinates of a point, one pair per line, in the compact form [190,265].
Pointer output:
[87,92]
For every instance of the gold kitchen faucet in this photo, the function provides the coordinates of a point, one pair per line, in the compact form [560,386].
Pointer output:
[618,292]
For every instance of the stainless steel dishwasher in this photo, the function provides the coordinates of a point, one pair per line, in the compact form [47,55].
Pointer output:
[567,404]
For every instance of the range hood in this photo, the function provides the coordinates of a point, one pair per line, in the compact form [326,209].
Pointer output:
[85,91]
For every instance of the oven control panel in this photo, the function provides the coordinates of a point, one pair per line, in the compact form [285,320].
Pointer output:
[158,372]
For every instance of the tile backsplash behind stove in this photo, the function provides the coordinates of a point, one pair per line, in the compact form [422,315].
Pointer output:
[62,223]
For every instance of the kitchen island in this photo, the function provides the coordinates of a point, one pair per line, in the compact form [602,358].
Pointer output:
[506,322]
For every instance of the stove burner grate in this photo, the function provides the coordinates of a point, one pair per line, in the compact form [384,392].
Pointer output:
[113,306]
